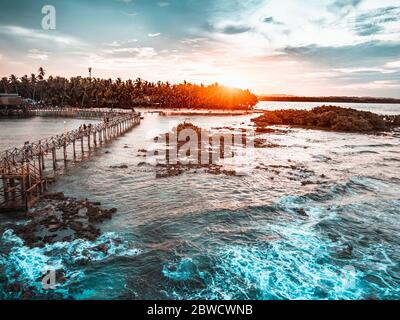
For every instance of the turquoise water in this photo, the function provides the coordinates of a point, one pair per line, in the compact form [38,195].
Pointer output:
[260,235]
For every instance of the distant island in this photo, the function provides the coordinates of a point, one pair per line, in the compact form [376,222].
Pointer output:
[343,99]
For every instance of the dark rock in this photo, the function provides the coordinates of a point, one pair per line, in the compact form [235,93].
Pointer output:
[345,253]
[54,196]
[28,294]
[61,276]
[81,262]
[330,118]
[77,226]
[54,227]
[302,212]
[14,287]
[67,239]
[122,166]
[102,248]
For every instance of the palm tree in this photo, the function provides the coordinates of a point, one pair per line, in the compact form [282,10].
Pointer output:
[14,80]
[33,84]
[4,83]
[42,73]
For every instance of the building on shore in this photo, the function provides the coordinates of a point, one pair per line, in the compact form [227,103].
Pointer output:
[12,105]
[10,101]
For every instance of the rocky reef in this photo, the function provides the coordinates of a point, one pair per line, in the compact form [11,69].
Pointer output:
[330,118]
[59,218]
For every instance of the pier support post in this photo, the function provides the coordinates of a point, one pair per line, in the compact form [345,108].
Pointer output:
[65,154]
[23,192]
[43,165]
[88,141]
[74,149]
[94,139]
[5,189]
[82,147]
[40,157]
[12,187]
[53,152]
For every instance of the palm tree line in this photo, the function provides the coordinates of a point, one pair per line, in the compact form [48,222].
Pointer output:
[95,92]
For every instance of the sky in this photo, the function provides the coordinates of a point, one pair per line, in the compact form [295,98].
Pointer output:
[307,47]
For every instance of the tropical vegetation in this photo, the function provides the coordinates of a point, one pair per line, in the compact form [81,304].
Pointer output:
[96,92]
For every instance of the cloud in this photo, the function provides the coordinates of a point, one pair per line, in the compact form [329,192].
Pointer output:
[34,34]
[163,4]
[192,41]
[361,70]
[364,54]
[38,54]
[271,20]
[119,43]
[393,64]
[153,35]
[232,29]
[140,52]
[340,4]
[373,85]
[130,14]
[229,29]
[374,21]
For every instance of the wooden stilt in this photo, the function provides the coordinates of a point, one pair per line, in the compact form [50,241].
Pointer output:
[74,149]
[65,154]
[53,152]
[12,187]
[5,189]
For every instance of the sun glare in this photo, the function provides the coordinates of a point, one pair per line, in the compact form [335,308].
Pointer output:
[233,81]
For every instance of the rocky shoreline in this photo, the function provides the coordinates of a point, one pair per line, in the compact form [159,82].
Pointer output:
[329,118]
[57,218]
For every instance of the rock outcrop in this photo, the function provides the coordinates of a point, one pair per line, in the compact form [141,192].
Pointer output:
[330,118]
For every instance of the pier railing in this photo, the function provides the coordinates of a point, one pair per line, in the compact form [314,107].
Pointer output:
[24,171]
[87,113]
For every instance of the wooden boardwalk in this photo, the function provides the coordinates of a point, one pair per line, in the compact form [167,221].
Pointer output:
[26,171]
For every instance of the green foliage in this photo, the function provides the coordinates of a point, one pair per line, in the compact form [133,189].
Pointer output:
[95,92]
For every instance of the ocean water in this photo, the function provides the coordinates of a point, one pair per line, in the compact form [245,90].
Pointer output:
[260,235]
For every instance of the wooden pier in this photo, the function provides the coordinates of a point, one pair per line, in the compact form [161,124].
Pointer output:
[26,171]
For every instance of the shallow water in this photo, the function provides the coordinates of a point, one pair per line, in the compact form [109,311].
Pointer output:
[14,132]
[261,235]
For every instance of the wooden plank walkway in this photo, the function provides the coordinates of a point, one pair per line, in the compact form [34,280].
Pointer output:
[24,172]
